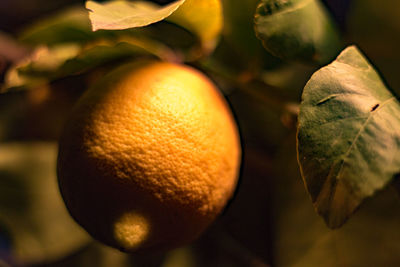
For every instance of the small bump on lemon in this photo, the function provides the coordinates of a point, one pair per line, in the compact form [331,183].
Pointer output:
[131,229]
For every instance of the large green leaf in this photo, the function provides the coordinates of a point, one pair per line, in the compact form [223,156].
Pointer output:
[118,15]
[348,136]
[31,208]
[297,30]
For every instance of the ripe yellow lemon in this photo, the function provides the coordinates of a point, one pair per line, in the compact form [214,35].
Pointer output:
[149,156]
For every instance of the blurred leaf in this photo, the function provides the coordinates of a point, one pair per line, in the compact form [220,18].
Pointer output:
[94,255]
[105,51]
[180,257]
[348,143]
[239,36]
[47,64]
[47,59]
[118,15]
[73,26]
[204,18]
[297,30]
[65,45]
[43,59]
[238,22]
[303,240]
[289,77]
[67,26]
[31,207]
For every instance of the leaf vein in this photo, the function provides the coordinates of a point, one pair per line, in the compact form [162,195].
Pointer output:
[334,183]
[371,114]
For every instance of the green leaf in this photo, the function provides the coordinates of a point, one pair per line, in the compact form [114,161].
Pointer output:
[50,63]
[348,141]
[104,51]
[204,18]
[31,208]
[240,47]
[297,30]
[301,239]
[43,60]
[118,15]
[47,59]
[68,26]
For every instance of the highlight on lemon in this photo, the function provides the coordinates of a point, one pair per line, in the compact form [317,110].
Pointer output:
[149,156]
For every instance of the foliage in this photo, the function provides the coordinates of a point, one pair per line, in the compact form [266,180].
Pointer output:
[297,30]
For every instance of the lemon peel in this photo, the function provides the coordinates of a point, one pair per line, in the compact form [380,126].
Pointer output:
[149,157]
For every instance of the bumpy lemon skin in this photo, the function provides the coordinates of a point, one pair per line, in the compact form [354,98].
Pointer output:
[149,157]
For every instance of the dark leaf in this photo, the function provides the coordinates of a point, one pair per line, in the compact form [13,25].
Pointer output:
[242,47]
[297,30]
[71,25]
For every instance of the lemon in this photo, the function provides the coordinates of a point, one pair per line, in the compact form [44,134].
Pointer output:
[149,156]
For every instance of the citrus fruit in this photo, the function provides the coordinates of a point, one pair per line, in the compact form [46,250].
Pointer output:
[149,156]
